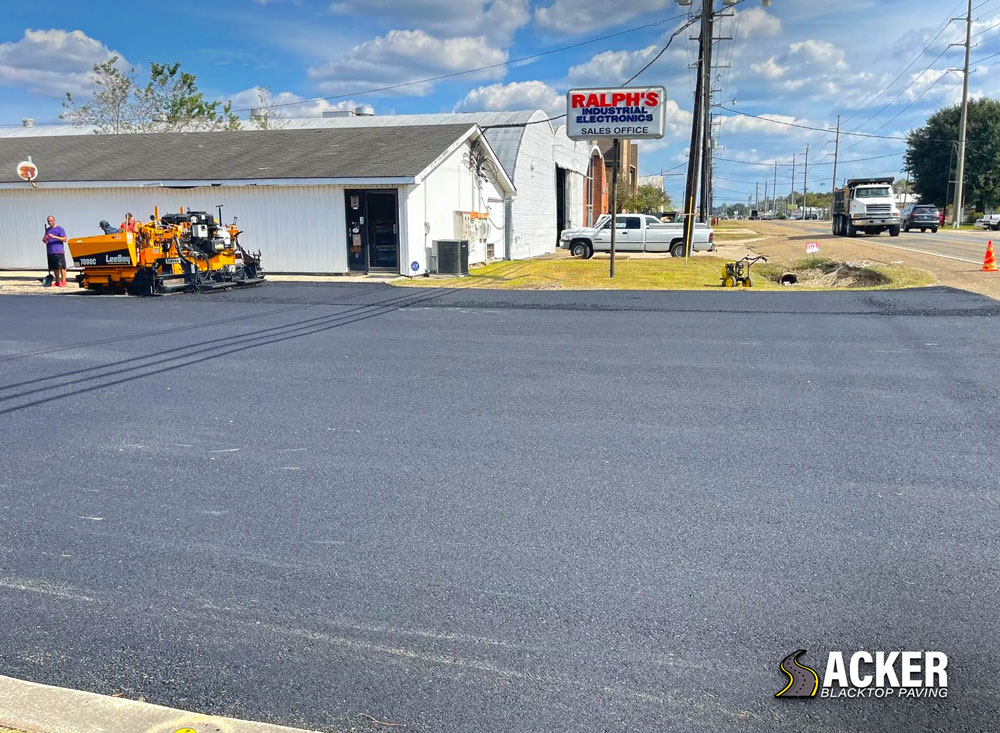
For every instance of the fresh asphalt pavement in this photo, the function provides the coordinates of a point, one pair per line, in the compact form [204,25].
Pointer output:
[476,511]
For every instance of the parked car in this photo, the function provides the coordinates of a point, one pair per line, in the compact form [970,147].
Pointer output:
[920,216]
[989,221]
[635,233]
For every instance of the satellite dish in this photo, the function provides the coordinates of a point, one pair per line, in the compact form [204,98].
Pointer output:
[27,171]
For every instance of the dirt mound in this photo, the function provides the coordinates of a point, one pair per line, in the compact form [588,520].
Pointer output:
[829,274]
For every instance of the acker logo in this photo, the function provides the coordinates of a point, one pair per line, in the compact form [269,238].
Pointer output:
[866,674]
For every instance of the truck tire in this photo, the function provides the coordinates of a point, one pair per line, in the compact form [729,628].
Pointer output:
[578,248]
[933,230]
[994,227]
[894,230]
[852,231]
[677,249]
[836,226]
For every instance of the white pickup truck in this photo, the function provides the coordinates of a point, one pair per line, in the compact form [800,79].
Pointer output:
[635,233]
[989,221]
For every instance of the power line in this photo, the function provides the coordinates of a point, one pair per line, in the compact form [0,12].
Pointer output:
[441,77]
[771,165]
[454,74]
[630,80]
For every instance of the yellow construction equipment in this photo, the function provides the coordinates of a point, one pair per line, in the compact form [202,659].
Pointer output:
[189,252]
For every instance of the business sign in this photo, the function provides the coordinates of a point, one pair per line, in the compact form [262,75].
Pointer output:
[633,113]
[812,248]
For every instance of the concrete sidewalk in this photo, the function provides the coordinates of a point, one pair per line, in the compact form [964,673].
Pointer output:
[35,708]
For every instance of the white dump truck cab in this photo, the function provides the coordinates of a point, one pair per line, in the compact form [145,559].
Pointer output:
[865,205]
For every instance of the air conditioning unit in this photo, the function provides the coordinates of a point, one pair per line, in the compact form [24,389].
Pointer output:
[452,256]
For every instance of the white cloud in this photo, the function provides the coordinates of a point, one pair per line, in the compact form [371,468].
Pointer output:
[257,97]
[753,125]
[757,23]
[678,122]
[581,16]
[401,56]
[770,69]
[819,54]
[495,19]
[51,62]
[610,67]
[516,95]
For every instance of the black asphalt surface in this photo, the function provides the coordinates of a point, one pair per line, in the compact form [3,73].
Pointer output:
[476,511]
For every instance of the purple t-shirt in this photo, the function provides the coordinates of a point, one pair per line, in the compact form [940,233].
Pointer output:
[55,246]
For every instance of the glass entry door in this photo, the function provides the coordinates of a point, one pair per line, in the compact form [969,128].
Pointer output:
[372,230]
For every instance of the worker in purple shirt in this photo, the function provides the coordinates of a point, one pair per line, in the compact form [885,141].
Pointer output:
[55,245]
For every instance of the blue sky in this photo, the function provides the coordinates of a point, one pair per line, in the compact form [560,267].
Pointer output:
[800,61]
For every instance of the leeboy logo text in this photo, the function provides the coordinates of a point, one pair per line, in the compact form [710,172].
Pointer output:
[867,674]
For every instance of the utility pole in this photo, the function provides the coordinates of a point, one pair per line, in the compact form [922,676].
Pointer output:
[694,154]
[774,188]
[805,181]
[836,154]
[765,195]
[616,146]
[756,198]
[706,138]
[791,196]
[956,220]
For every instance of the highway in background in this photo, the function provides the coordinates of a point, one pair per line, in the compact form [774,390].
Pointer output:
[964,245]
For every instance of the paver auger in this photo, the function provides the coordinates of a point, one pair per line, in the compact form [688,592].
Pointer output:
[185,252]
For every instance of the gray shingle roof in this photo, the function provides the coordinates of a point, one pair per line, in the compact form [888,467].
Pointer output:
[356,152]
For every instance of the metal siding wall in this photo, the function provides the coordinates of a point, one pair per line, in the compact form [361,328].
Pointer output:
[449,188]
[297,228]
[534,208]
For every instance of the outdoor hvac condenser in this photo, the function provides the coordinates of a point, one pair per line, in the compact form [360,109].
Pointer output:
[452,256]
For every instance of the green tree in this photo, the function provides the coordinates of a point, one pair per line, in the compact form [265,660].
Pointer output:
[170,102]
[648,199]
[932,153]
[173,97]
[114,106]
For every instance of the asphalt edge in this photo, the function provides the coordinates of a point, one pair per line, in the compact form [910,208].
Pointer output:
[39,708]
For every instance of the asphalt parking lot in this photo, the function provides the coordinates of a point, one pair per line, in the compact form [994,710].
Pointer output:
[472,511]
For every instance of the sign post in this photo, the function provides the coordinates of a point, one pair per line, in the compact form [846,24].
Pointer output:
[630,113]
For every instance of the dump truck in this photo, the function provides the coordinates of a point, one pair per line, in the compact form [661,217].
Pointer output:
[183,252]
[865,205]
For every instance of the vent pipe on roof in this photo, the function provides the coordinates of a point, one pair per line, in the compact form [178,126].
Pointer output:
[27,122]
[365,110]
[259,113]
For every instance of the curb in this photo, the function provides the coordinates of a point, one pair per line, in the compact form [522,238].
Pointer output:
[37,708]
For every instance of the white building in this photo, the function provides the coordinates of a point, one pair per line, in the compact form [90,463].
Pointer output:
[552,174]
[322,200]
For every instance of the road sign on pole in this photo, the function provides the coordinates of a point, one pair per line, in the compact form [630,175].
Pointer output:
[631,113]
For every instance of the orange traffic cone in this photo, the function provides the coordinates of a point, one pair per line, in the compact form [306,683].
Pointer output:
[990,263]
